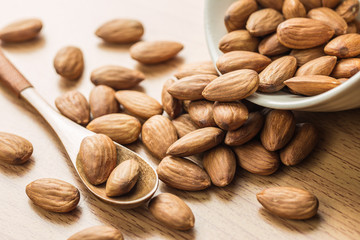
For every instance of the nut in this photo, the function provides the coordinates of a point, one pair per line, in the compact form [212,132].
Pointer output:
[330,18]
[230,116]
[102,101]
[238,40]
[264,22]
[184,125]
[171,105]
[319,66]
[344,46]
[69,62]
[21,31]
[14,149]
[237,14]
[201,113]
[98,232]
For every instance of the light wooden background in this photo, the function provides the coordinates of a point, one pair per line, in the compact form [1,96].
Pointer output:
[332,172]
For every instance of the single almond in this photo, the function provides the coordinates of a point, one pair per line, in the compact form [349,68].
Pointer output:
[303,142]
[238,13]
[171,211]
[303,33]
[123,178]
[232,86]
[121,128]
[184,125]
[201,113]
[120,31]
[293,9]
[220,164]
[14,149]
[155,51]
[21,31]
[346,68]
[330,18]
[203,67]
[330,3]
[273,76]
[289,202]
[344,46]
[310,4]
[157,134]
[53,195]
[116,77]
[69,62]
[264,22]
[197,141]
[98,158]
[319,66]
[275,4]
[230,116]
[98,232]
[74,106]
[182,174]
[172,106]
[348,10]
[139,103]
[238,40]
[305,55]
[270,46]
[102,101]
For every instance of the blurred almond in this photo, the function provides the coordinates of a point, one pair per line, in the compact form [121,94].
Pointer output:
[237,14]
[319,66]
[348,10]
[305,55]
[14,149]
[102,101]
[330,3]
[346,68]
[263,22]
[310,4]
[69,62]
[344,46]
[293,9]
[74,106]
[121,31]
[230,116]
[201,113]
[204,67]
[238,40]
[21,31]
[271,46]
[184,125]
[352,27]
[330,18]
[275,4]
[98,232]
[172,106]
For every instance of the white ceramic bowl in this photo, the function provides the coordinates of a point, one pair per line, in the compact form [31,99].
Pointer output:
[344,97]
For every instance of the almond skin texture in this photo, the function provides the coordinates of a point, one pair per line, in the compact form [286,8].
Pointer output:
[305,55]
[220,164]
[270,46]
[348,10]
[97,233]
[121,31]
[123,178]
[158,133]
[346,68]
[121,128]
[184,125]
[289,202]
[14,149]
[237,14]
[236,60]
[263,22]
[319,66]
[53,195]
[191,87]
[21,31]
[311,85]
[230,116]
[171,211]
[303,142]
[330,3]
[98,158]
[278,129]
[293,9]
[254,158]
[182,174]
[69,62]
[238,40]
[344,46]
[303,33]
[155,52]
[275,4]
[139,103]
[203,67]
[310,4]
[116,77]
[232,86]
[172,106]
[74,106]
[352,28]
[246,132]
[197,141]
[273,76]
[201,113]
[102,101]
[329,17]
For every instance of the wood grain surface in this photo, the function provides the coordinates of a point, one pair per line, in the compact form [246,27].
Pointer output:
[332,171]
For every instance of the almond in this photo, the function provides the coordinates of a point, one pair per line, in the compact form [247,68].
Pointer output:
[346,68]
[98,232]
[120,31]
[155,52]
[273,76]
[237,14]
[182,174]
[352,28]
[204,67]
[275,4]
[69,62]
[14,149]
[74,106]
[238,40]
[102,101]
[293,9]
[289,202]
[201,113]
[311,85]
[232,86]
[171,105]
[330,18]
[171,211]
[186,104]
[139,103]
[197,141]
[191,87]
[305,55]
[310,4]
[53,195]
[158,133]
[330,3]
[263,22]
[121,128]
[302,33]
[246,132]
[236,60]
[220,164]
[230,116]
[319,66]
[184,125]
[98,158]
[348,10]
[303,142]
[344,46]
[271,46]
[21,31]
[123,178]
[116,77]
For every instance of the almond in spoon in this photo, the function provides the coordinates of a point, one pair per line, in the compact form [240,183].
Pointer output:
[319,66]
[237,14]
[74,106]
[346,68]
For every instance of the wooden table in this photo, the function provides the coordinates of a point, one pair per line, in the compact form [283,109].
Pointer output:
[332,171]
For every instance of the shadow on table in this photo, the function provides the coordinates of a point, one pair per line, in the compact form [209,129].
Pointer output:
[17,170]
[160,69]
[24,47]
